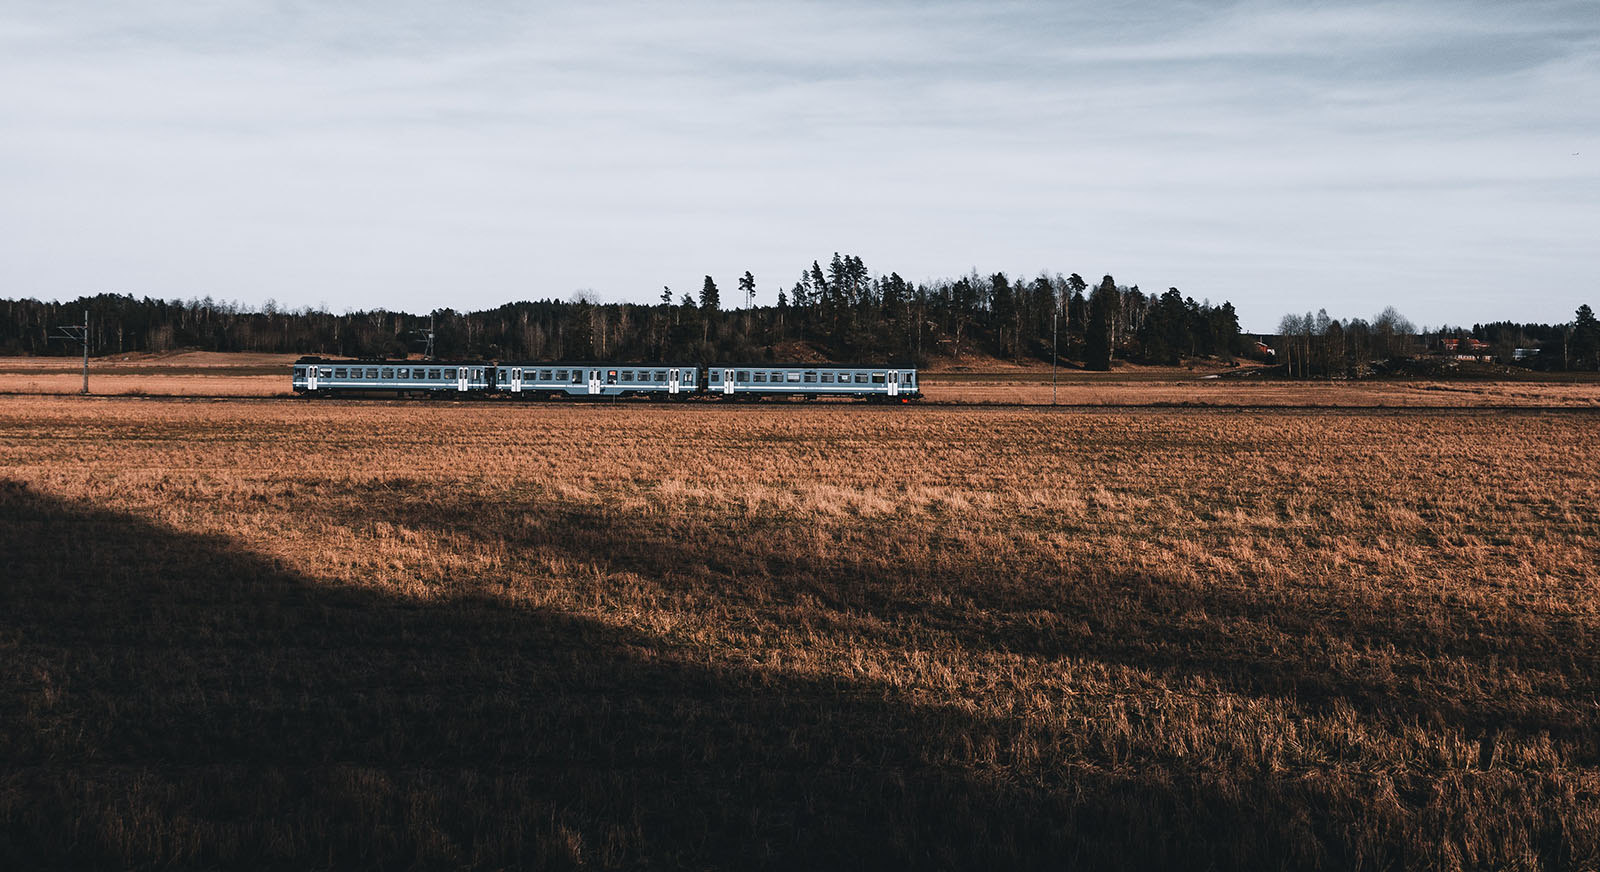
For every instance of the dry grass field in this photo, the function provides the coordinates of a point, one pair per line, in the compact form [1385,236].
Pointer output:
[438,635]
[193,373]
[206,374]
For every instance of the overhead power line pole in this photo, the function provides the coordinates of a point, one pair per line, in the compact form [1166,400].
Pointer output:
[1055,314]
[75,333]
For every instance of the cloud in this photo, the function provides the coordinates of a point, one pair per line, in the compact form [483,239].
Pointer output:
[1284,156]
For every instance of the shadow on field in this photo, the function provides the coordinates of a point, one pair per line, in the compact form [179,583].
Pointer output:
[1397,657]
[173,700]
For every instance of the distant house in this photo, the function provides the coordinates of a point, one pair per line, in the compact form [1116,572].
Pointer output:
[1465,349]
[1265,349]
[1524,353]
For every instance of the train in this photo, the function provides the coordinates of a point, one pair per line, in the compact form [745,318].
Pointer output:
[317,376]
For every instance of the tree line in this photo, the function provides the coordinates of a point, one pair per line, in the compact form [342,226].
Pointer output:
[841,311]
[1319,346]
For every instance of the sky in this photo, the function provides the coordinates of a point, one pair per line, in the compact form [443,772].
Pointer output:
[1440,157]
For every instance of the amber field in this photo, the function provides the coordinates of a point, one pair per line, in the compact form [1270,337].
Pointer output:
[285,634]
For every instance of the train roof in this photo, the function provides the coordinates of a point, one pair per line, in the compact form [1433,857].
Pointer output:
[394,361]
[598,364]
[601,364]
[767,364]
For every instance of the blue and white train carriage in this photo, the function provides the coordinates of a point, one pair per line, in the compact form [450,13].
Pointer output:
[809,380]
[546,380]
[317,375]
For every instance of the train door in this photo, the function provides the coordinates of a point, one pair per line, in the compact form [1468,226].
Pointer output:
[894,383]
[672,381]
[594,382]
[462,374]
[727,381]
[516,379]
[311,378]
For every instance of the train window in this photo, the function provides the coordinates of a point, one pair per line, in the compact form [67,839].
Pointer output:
[433,373]
[827,378]
[327,372]
[450,374]
[743,377]
[339,373]
[761,377]
[577,376]
[627,375]
[877,378]
[388,372]
[793,377]
[299,372]
[544,375]
[661,376]
[716,376]
[372,372]
[561,375]
[811,378]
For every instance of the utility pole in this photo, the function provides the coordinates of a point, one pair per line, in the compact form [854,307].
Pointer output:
[1055,314]
[428,352]
[75,333]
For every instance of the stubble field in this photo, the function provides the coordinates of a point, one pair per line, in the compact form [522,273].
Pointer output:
[469,635]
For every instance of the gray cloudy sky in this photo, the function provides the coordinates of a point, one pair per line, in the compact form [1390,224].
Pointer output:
[1440,157]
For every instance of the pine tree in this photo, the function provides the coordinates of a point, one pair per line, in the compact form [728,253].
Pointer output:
[747,284]
[1103,306]
[1584,345]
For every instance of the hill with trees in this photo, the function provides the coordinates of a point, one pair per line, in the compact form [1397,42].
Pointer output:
[841,311]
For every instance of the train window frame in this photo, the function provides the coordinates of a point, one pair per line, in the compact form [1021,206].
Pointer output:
[434,375]
[325,372]
[742,377]
[861,378]
[827,378]
[625,376]
[810,378]
[544,375]
[792,377]
[388,372]
[450,373]
[878,378]
[340,372]
[760,378]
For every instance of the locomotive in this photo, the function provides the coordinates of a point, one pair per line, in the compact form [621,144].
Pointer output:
[317,376]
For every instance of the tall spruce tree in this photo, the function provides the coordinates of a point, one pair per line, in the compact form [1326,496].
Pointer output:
[1103,306]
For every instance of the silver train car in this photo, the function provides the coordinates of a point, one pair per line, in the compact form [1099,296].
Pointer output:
[317,376]
[811,381]
[549,380]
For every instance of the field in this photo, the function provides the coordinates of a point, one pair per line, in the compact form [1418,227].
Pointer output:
[444,635]
[205,374]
